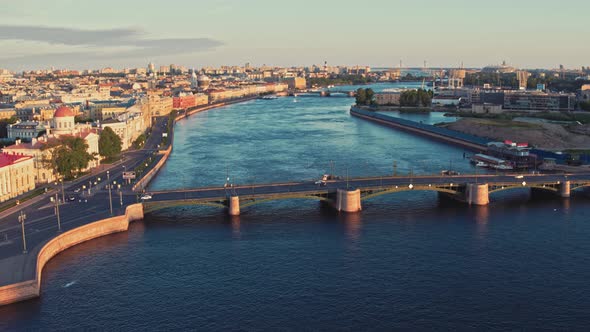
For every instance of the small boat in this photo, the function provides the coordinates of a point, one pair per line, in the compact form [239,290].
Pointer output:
[481,164]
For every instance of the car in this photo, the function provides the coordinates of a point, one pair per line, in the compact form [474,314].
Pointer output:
[72,198]
[77,190]
[145,197]
[320,182]
[519,177]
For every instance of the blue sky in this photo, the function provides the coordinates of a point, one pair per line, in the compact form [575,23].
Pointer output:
[129,33]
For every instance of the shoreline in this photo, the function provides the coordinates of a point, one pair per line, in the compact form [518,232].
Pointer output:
[31,288]
[32,266]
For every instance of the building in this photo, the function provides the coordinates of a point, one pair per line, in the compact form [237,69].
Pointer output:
[127,126]
[387,98]
[296,83]
[159,105]
[37,150]
[539,101]
[7,113]
[26,129]
[487,108]
[16,175]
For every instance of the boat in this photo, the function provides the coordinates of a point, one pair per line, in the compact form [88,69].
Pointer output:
[481,164]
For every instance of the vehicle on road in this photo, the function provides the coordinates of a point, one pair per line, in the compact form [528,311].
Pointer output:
[519,177]
[72,198]
[77,190]
[320,182]
[146,197]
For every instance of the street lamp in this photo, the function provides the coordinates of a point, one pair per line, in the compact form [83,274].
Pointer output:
[120,194]
[21,219]
[57,213]
[63,195]
[110,195]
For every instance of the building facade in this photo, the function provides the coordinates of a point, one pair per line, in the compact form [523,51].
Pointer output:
[16,175]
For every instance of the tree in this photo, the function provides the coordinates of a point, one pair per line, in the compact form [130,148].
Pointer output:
[365,96]
[109,143]
[361,96]
[370,96]
[139,141]
[69,156]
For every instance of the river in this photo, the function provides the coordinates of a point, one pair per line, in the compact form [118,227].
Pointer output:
[407,261]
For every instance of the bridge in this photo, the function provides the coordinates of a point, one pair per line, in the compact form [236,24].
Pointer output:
[347,194]
[326,93]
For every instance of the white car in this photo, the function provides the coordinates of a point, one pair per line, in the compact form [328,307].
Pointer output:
[519,177]
[320,182]
[77,190]
[146,197]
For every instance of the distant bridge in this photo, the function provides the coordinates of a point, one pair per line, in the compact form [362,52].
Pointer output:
[327,93]
[346,195]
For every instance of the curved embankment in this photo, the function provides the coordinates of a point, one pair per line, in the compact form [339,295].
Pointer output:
[32,288]
[440,134]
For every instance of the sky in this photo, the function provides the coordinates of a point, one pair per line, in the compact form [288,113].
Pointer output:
[84,34]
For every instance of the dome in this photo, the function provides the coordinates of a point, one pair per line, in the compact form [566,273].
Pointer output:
[63,111]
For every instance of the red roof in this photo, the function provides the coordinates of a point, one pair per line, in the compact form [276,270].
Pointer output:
[7,159]
[63,111]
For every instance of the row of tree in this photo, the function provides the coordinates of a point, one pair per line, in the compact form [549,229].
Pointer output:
[416,98]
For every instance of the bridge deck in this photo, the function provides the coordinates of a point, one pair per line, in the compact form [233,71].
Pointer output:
[367,185]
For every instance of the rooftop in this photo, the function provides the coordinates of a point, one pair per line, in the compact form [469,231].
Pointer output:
[7,159]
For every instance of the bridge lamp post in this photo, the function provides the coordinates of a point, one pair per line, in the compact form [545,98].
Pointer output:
[411,186]
[21,219]
[120,194]
[110,195]
[523,183]
[63,195]
[57,213]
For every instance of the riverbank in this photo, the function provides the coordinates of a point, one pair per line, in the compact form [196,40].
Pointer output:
[26,270]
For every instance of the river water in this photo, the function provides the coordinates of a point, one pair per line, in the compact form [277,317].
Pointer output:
[408,261]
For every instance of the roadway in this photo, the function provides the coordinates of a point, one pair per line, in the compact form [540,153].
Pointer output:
[364,184]
[80,207]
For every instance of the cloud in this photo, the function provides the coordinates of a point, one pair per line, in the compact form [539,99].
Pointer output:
[66,36]
[94,46]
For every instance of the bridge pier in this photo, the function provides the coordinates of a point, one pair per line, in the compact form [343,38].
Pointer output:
[477,194]
[348,200]
[234,206]
[564,189]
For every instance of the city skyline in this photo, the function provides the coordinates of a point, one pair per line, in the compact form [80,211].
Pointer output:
[531,34]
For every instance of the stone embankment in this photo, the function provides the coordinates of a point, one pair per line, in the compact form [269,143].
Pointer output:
[29,289]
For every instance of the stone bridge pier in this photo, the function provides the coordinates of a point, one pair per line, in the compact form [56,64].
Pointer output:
[348,200]
[477,194]
[233,206]
[564,189]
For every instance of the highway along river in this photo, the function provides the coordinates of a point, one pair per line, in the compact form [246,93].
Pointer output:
[407,261]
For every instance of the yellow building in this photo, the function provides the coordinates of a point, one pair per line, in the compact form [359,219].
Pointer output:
[16,175]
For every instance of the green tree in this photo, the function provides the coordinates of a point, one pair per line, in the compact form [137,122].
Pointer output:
[361,96]
[139,141]
[109,143]
[370,96]
[69,156]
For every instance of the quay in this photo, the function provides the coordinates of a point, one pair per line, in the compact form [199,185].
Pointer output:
[466,141]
